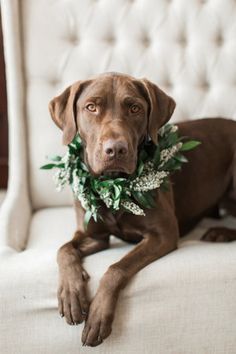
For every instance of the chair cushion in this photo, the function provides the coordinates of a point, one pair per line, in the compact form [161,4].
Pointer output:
[183,301]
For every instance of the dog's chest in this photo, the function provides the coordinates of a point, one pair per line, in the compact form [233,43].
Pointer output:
[124,226]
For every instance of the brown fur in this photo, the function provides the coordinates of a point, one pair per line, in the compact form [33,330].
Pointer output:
[113,120]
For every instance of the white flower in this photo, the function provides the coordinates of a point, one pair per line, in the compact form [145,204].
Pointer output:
[173,129]
[108,202]
[83,200]
[149,180]
[134,208]
[61,177]
[80,191]
[167,154]
[66,157]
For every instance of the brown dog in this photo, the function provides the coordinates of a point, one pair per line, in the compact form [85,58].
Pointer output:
[113,113]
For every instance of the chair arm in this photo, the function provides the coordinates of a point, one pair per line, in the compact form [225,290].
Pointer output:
[16,210]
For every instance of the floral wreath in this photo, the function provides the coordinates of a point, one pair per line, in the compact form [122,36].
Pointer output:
[133,193]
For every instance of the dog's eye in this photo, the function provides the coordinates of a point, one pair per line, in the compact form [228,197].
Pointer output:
[91,107]
[134,108]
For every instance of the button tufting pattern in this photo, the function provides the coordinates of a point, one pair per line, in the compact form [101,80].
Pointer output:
[110,40]
[205,85]
[53,81]
[74,40]
[146,41]
[219,39]
[187,47]
[182,40]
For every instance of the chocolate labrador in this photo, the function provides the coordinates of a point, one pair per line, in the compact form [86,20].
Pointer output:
[113,113]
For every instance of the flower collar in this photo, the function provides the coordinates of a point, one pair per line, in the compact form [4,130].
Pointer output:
[132,194]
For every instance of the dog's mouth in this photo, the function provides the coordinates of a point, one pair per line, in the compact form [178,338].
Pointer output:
[110,172]
[114,174]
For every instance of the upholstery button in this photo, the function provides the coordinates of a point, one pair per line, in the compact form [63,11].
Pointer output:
[182,40]
[205,85]
[167,84]
[146,41]
[110,40]
[219,39]
[74,40]
[54,81]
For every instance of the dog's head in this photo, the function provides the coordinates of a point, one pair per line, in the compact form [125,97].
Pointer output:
[113,113]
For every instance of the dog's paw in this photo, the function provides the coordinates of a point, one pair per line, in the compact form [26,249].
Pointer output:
[73,303]
[98,325]
[219,234]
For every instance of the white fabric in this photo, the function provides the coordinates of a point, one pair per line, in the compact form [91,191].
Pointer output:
[183,303]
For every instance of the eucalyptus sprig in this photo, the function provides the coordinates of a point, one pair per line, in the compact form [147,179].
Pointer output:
[133,194]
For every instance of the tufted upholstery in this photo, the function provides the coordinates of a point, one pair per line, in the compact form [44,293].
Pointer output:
[187,47]
[182,304]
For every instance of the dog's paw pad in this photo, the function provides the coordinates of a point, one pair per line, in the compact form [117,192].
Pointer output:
[219,234]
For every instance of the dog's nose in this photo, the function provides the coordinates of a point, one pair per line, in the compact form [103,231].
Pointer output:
[115,149]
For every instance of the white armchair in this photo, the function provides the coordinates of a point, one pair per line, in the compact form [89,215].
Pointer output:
[183,303]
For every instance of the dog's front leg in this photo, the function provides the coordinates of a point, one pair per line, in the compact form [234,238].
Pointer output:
[102,308]
[72,295]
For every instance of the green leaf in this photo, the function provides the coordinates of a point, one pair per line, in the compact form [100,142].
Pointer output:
[77,142]
[140,168]
[84,167]
[157,155]
[49,166]
[117,195]
[107,183]
[142,199]
[181,158]
[55,158]
[116,203]
[172,165]
[120,180]
[95,217]
[94,184]
[151,199]
[72,150]
[172,139]
[117,190]
[87,218]
[189,145]
[169,165]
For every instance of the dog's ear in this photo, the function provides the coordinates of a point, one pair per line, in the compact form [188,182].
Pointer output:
[63,111]
[161,108]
